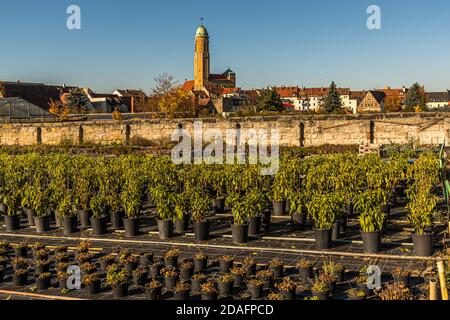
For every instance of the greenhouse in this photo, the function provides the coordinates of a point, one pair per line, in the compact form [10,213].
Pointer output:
[19,110]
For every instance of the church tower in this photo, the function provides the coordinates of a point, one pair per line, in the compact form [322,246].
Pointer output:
[201,58]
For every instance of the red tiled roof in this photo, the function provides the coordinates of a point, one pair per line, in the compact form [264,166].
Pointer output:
[189,85]
[286,92]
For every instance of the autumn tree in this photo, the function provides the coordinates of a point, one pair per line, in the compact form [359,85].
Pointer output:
[164,84]
[269,100]
[393,104]
[332,102]
[415,100]
[177,100]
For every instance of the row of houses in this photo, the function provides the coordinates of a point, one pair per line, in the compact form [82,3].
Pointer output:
[40,95]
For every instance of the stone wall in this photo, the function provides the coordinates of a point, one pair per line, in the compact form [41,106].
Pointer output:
[425,129]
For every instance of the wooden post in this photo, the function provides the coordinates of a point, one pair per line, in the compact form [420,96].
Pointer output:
[434,292]
[441,270]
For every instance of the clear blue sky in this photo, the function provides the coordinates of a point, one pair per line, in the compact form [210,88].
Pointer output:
[125,44]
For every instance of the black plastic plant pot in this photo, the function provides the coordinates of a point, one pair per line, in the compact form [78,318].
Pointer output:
[165,229]
[116,218]
[255,291]
[344,221]
[131,226]
[181,295]
[56,218]
[238,279]
[277,271]
[196,284]
[85,218]
[42,223]
[225,288]
[288,295]
[21,252]
[140,280]
[43,284]
[299,221]
[99,225]
[371,241]
[30,216]
[266,220]
[120,290]
[186,274]
[182,225]
[279,208]
[171,261]
[12,223]
[423,245]
[268,282]
[200,264]
[209,296]
[201,230]
[336,231]
[323,238]
[240,233]
[321,295]
[146,260]
[225,265]
[69,225]
[219,205]
[93,288]
[155,270]
[153,293]
[20,280]
[250,270]
[254,226]
[170,282]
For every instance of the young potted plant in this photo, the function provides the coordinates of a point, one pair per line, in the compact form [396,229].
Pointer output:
[277,267]
[140,276]
[67,212]
[225,263]
[27,198]
[324,208]
[163,198]
[200,262]
[238,276]
[62,277]
[197,280]
[305,269]
[106,260]
[371,219]
[298,210]
[131,203]
[355,294]
[129,261]
[18,263]
[218,181]
[88,268]
[171,257]
[186,270]
[170,277]
[12,216]
[43,281]
[225,285]
[42,266]
[92,283]
[147,259]
[200,207]
[153,290]
[208,291]
[83,187]
[117,278]
[421,209]
[21,250]
[182,207]
[279,195]
[266,276]
[401,275]
[256,205]
[155,269]
[40,204]
[287,288]
[239,228]
[181,291]
[98,203]
[20,277]
[255,287]
[320,289]
[335,269]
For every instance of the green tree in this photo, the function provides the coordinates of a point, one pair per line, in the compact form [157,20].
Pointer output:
[332,102]
[415,99]
[76,101]
[269,100]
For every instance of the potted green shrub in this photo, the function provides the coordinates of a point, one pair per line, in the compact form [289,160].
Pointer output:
[420,214]
[92,283]
[298,210]
[324,208]
[256,206]
[39,204]
[200,207]
[27,198]
[371,219]
[117,278]
[98,203]
[182,207]
[239,228]
[67,212]
[12,216]
[320,289]
[84,187]
[164,200]
[131,203]
[218,181]
[153,290]
[279,196]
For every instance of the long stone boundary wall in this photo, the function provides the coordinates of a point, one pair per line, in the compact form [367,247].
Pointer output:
[299,130]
